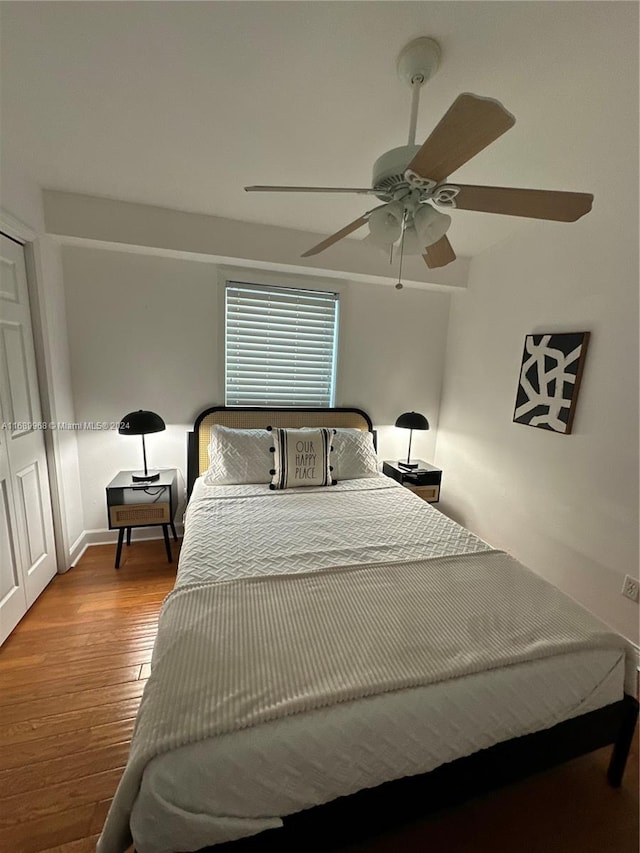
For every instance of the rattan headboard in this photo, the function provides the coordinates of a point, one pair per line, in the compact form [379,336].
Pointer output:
[251,417]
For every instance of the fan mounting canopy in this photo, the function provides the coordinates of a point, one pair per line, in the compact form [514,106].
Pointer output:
[418,61]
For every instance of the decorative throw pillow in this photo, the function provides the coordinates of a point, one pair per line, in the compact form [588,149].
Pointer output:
[354,455]
[238,456]
[301,457]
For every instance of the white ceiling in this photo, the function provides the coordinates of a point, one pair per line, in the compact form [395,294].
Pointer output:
[181,104]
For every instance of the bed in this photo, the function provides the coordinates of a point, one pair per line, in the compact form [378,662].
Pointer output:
[333,653]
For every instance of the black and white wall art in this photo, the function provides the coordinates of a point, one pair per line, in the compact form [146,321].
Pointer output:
[550,375]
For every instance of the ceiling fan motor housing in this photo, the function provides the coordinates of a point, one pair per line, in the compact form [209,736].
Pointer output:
[389,169]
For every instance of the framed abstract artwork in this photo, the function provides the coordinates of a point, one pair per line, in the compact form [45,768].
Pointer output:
[550,374]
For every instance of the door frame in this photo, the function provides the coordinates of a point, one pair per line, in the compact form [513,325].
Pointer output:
[26,235]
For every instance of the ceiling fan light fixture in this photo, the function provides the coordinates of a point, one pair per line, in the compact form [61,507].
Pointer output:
[430,224]
[385,224]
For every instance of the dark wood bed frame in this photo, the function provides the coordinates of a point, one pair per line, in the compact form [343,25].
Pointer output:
[353,818]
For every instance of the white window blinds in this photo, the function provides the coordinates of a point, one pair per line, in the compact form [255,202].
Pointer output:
[280,346]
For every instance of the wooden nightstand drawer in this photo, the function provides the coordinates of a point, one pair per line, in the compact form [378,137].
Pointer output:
[427,493]
[131,515]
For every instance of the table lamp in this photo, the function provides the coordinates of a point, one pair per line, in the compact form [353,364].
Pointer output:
[142,423]
[411,421]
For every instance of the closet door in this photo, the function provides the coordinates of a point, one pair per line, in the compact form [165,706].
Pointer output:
[27,552]
[13,596]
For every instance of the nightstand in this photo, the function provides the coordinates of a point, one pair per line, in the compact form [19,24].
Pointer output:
[135,504]
[424,480]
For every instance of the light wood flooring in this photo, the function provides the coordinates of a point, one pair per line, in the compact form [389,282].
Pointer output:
[71,678]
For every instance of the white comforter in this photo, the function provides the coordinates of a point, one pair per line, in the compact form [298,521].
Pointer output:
[242,531]
[241,782]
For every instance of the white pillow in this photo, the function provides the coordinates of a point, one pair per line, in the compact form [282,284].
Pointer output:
[353,455]
[301,457]
[238,456]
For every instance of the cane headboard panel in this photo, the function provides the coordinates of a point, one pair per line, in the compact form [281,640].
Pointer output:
[260,418]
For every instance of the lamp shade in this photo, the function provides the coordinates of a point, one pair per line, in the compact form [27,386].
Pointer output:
[412,420]
[430,224]
[385,224]
[141,423]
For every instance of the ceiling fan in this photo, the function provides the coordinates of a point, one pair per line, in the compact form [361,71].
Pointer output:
[411,179]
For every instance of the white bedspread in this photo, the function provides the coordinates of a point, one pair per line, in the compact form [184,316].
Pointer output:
[242,531]
[242,782]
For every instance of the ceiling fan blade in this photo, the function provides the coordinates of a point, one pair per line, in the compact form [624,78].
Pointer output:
[269,189]
[439,254]
[536,204]
[469,125]
[343,232]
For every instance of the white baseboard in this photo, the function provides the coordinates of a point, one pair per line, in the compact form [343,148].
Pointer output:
[103,536]
[77,549]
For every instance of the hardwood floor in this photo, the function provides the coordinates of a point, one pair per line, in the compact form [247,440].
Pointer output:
[72,675]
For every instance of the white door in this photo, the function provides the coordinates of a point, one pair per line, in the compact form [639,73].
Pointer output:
[27,551]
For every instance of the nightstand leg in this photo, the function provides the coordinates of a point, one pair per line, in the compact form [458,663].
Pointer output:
[173,530]
[128,536]
[165,530]
[119,548]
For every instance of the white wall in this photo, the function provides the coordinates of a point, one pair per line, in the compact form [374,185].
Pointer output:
[20,196]
[392,347]
[566,506]
[145,332]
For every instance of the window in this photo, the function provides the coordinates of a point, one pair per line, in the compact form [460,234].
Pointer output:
[280,346]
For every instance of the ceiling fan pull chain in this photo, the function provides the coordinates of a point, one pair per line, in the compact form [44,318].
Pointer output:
[399,285]
[416,85]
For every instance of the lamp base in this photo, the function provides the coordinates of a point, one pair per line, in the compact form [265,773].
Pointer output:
[141,477]
[408,465]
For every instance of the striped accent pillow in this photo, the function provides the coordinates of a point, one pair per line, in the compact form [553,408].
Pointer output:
[301,457]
